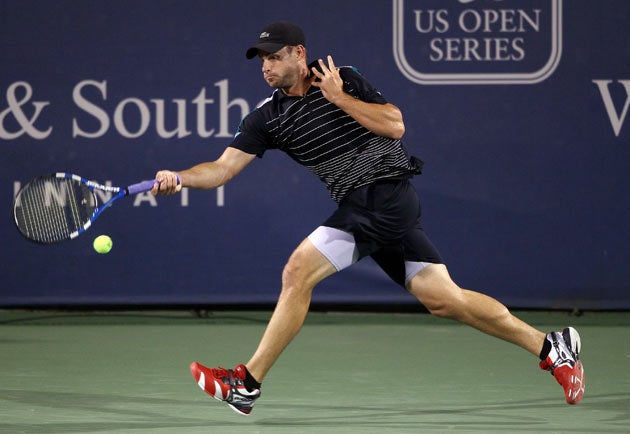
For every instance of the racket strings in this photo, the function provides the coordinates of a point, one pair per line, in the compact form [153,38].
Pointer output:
[73,206]
[53,209]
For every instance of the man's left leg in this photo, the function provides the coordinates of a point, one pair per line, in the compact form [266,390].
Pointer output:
[434,288]
[559,351]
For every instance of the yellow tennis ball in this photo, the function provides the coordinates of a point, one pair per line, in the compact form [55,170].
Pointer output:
[102,244]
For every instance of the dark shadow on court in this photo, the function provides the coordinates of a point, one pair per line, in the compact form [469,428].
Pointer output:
[106,412]
[515,416]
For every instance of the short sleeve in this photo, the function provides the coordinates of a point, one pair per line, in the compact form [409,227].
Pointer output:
[251,136]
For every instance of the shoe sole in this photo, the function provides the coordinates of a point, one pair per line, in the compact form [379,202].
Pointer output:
[574,393]
[574,380]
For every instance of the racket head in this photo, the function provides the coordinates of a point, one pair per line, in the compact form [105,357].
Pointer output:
[54,208]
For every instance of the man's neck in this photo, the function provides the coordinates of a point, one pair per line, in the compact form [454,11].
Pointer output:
[298,89]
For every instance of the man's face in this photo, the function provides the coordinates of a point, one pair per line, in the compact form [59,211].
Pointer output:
[280,69]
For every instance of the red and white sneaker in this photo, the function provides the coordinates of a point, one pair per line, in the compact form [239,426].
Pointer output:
[226,385]
[564,363]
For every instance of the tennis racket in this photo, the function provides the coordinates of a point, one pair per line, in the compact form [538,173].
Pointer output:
[61,206]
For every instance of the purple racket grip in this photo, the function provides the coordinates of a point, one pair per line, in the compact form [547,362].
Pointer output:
[141,187]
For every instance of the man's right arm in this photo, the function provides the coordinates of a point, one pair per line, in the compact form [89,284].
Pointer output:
[204,176]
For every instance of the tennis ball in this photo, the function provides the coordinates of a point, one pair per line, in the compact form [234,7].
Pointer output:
[102,244]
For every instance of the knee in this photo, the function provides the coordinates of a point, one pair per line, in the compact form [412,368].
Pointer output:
[294,274]
[445,301]
[442,308]
[290,274]
[435,289]
[305,268]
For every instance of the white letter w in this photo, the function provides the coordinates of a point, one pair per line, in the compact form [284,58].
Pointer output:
[615,120]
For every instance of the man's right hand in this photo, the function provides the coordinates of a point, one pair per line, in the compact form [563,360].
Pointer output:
[169,182]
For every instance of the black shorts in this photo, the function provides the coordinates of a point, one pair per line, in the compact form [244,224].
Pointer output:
[384,218]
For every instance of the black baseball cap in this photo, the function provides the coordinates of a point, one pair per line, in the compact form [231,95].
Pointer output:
[275,36]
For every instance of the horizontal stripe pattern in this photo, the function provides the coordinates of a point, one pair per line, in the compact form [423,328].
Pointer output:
[331,144]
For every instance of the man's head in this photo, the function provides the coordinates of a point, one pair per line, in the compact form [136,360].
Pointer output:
[281,49]
[276,36]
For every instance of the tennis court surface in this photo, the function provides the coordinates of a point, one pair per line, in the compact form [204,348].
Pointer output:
[127,372]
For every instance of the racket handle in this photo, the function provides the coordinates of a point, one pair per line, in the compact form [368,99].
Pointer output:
[141,187]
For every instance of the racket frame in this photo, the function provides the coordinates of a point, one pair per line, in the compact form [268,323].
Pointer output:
[118,193]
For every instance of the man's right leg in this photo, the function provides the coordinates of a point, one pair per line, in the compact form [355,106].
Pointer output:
[306,267]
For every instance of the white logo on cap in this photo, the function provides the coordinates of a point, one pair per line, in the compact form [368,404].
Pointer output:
[264,35]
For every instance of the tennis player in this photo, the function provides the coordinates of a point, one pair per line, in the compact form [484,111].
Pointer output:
[335,123]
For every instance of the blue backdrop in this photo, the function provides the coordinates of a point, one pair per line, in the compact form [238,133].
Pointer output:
[519,108]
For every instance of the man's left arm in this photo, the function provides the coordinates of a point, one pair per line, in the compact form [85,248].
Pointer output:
[382,119]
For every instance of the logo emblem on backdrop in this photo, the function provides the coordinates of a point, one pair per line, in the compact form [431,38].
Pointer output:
[477,41]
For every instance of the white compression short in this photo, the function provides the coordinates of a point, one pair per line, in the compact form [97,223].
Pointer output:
[340,249]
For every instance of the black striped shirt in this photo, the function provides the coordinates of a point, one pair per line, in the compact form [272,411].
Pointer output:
[324,139]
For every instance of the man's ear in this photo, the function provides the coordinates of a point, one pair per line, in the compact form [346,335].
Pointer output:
[301,50]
